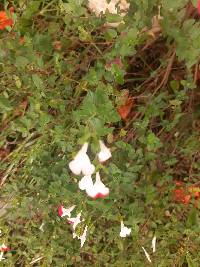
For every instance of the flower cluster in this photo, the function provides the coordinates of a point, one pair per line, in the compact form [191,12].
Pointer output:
[125,231]
[3,249]
[74,221]
[81,164]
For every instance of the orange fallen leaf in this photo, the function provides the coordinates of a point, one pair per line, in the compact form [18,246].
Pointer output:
[181,196]
[125,109]
[198,7]
[57,45]
[21,40]
[185,194]
[5,20]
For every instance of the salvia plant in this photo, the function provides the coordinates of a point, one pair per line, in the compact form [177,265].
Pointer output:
[99,133]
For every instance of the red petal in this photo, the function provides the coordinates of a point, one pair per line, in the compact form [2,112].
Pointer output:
[100,195]
[60,211]
[70,222]
[4,249]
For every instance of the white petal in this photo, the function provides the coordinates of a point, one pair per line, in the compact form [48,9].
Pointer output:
[125,231]
[67,212]
[91,191]
[75,167]
[83,236]
[88,169]
[41,227]
[84,148]
[154,244]
[104,153]
[81,159]
[85,182]
[146,254]
[1,256]
[74,235]
[99,187]
[75,220]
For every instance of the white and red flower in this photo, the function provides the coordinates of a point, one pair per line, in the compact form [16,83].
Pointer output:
[104,153]
[4,248]
[75,221]
[125,231]
[94,190]
[99,189]
[81,237]
[62,212]
[81,163]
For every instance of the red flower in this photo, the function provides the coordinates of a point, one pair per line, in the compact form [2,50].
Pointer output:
[5,20]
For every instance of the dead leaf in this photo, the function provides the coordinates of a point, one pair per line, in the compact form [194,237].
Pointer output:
[125,109]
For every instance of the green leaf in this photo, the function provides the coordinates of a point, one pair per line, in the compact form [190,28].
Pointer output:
[21,62]
[38,82]
[32,8]
[153,142]
[192,217]
[5,105]
[190,262]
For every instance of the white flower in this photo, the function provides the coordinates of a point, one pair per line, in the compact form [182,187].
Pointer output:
[98,6]
[85,182]
[76,220]
[101,6]
[125,231]
[1,256]
[154,244]
[146,254]
[41,227]
[81,163]
[65,212]
[98,190]
[104,153]
[83,236]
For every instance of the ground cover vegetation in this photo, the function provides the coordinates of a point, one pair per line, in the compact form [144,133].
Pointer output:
[68,78]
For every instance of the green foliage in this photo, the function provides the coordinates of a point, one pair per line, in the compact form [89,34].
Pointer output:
[61,85]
